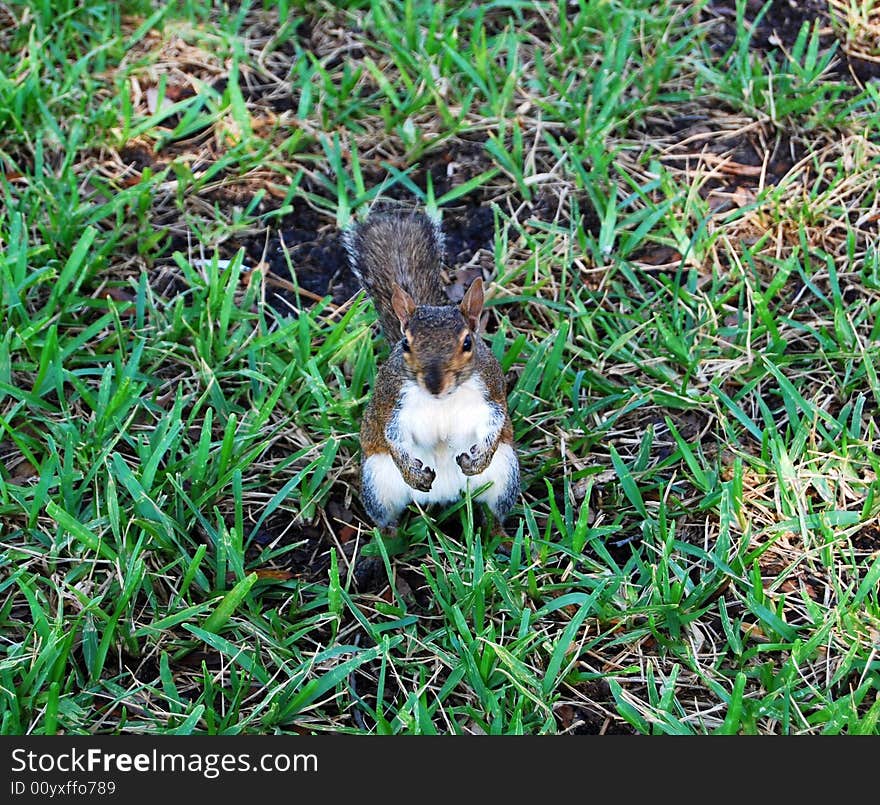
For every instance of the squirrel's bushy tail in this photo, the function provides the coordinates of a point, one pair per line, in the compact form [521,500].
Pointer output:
[404,249]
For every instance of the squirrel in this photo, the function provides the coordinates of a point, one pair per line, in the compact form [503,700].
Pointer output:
[437,422]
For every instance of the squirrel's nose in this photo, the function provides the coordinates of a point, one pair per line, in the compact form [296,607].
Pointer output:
[434,379]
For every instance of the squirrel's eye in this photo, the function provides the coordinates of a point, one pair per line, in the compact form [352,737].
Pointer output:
[406,345]
[467,344]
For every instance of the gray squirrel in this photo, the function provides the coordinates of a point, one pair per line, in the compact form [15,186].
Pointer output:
[437,423]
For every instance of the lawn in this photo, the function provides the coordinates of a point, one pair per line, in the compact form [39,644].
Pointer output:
[675,207]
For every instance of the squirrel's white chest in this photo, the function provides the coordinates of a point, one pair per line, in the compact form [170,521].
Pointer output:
[438,426]
[435,431]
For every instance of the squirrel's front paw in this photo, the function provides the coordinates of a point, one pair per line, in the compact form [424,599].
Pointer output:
[474,461]
[420,476]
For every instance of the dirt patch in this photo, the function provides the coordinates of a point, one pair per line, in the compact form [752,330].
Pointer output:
[867,538]
[466,231]
[308,253]
[585,721]
[591,717]
[308,557]
[780,26]
[137,157]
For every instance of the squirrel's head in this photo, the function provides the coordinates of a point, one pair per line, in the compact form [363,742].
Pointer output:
[439,342]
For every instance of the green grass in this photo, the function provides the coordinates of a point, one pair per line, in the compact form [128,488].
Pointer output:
[685,295]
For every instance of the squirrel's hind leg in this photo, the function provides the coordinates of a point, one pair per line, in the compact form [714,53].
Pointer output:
[503,472]
[384,492]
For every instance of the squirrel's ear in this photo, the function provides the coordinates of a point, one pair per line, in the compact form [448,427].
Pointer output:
[472,305]
[403,305]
